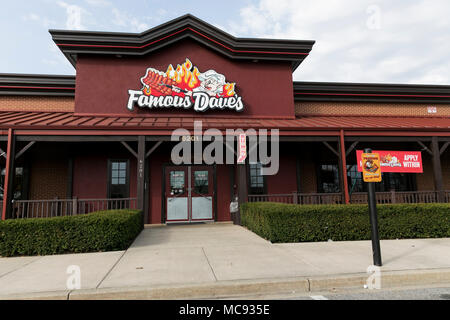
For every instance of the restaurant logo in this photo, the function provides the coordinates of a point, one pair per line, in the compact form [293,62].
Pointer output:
[185,87]
[390,161]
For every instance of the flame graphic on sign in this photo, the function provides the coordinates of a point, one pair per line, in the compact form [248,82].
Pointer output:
[183,75]
[228,89]
[178,81]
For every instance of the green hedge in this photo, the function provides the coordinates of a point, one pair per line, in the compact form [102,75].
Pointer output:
[279,222]
[98,231]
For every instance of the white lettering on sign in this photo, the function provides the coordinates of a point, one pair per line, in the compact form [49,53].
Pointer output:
[411,157]
[411,164]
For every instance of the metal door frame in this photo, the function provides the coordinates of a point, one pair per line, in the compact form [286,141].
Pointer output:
[185,170]
[164,195]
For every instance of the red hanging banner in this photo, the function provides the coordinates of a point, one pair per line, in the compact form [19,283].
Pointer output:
[396,161]
[242,148]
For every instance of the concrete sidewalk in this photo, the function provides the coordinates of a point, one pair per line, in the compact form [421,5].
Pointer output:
[221,259]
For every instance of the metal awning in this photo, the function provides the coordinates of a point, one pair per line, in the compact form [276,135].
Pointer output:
[71,121]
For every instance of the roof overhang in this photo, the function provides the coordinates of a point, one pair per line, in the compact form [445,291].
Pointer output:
[371,92]
[37,84]
[151,125]
[74,43]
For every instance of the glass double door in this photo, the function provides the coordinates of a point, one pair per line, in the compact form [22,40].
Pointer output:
[189,193]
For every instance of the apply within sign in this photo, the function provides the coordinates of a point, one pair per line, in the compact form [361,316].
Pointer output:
[396,161]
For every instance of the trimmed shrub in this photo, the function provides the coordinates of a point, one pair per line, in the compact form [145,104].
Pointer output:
[278,222]
[97,231]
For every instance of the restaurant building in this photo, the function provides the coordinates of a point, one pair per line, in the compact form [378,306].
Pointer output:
[102,139]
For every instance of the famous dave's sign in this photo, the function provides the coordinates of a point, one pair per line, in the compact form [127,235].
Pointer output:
[396,161]
[185,87]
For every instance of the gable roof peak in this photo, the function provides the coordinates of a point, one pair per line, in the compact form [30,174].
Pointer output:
[73,43]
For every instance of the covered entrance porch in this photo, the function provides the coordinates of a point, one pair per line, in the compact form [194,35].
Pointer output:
[102,168]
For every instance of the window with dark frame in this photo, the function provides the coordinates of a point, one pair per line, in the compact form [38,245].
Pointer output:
[118,179]
[201,182]
[390,181]
[19,183]
[257,180]
[354,179]
[328,178]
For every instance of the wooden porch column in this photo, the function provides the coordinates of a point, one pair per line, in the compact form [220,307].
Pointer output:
[343,169]
[8,187]
[437,170]
[140,190]
[242,189]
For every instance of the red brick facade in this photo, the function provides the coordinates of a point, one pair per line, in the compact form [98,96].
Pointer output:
[380,109]
[37,103]
[48,173]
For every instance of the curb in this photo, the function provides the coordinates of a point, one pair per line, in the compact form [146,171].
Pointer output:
[220,289]
[208,290]
[47,295]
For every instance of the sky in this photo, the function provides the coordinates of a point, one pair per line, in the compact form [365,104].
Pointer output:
[378,41]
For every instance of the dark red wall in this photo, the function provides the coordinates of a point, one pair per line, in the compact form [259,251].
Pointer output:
[90,170]
[156,163]
[223,192]
[285,181]
[102,83]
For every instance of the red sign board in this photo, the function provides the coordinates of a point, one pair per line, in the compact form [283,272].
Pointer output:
[396,161]
[242,148]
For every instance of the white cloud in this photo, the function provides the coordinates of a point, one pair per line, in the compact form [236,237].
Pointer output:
[409,43]
[56,58]
[161,12]
[98,3]
[120,18]
[123,19]
[74,13]
[32,17]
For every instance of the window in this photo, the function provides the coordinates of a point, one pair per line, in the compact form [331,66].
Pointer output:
[328,178]
[118,179]
[19,183]
[257,181]
[390,181]
[398,181]
[201,182]
[176,182]
[354,179]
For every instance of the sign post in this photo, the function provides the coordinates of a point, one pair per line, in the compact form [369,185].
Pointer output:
[372,173]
